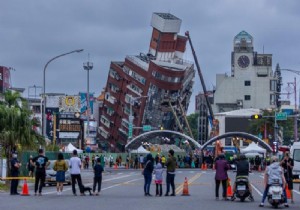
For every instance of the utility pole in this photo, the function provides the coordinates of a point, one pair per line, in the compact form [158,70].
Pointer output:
[88,66]
[296,110]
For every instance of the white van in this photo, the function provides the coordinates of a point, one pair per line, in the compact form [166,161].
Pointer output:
[295,154]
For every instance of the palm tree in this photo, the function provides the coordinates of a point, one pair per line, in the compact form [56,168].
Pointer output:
[16,125]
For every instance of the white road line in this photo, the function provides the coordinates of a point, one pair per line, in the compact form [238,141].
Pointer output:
[90,184]
[257,190]
[296,192]
[116,185]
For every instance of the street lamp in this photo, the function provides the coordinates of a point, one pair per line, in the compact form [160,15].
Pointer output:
[88,66]
[44,87]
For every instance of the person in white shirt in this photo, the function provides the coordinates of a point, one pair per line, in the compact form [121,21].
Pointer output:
[75,166]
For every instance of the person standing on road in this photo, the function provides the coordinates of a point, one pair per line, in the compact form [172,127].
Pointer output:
[221,176]
[75,166]
[148,170]
[60,166]
[141,161]
[171,166]
[136,162]
[158,171]
[30,167]
[41,163]
[287,164]
[98,169]
[15,166]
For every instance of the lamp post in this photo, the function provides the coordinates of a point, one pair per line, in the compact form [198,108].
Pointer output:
[44,87]
[88,66]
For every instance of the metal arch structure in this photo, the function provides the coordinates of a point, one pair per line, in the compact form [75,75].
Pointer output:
[238,134]
[196,144]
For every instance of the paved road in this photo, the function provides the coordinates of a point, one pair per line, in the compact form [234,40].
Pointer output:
[123,189]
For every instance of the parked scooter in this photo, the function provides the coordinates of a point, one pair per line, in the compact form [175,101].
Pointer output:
[275,194]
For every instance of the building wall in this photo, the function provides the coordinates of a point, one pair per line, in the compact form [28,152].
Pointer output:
[232,92]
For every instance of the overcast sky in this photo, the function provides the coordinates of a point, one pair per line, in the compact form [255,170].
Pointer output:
[34,31]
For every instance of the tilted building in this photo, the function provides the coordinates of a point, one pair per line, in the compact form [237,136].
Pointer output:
[151,88]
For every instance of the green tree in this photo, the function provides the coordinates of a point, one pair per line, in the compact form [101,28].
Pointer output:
[193,122]
[16,125]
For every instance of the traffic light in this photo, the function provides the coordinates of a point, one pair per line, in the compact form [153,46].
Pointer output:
[256,116]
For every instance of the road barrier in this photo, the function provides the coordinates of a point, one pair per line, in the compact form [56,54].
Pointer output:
[19,178]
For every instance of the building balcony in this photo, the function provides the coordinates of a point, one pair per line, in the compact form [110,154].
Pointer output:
[137,61]
[103,132]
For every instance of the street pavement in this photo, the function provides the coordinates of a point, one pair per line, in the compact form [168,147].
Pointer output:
[123,189]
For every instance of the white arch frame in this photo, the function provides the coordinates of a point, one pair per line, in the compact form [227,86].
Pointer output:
[164,131]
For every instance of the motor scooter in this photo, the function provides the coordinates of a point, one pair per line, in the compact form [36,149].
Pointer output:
[275,194]
[242,189]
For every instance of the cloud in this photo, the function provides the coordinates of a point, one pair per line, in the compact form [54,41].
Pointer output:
[32,32]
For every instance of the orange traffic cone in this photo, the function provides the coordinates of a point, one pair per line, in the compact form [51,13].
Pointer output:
[229,190]
[288,193]
[185,189]
[205,166]
[202,166]
[25,190]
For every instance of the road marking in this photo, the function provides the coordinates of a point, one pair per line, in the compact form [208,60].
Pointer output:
[89,184]
[296,192]
[257,190]
[123,183]
[180,188]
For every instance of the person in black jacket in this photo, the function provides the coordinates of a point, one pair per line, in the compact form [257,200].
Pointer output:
[98,169]
[287,164]
[15,166]
[242,170]
[149,166]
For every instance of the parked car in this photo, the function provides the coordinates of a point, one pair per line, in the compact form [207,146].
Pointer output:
[51,174]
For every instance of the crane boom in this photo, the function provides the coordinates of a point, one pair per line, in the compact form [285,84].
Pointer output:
[201,76]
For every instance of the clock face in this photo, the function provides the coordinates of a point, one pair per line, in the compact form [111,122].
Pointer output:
[243,61]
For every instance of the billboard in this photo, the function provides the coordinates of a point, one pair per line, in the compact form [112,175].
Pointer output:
[91,138]
[69,104]
[83,102]
[50,122]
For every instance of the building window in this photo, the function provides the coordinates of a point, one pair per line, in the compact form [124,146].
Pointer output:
[272,99]
[247,97]
[247,83]
[273,84]
[227,141]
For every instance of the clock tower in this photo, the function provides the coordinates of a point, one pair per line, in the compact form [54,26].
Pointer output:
[242,55]
[251,83]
